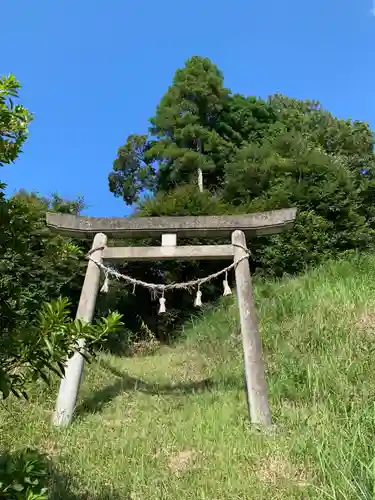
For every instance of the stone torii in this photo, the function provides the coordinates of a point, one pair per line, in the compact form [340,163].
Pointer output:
[169,228]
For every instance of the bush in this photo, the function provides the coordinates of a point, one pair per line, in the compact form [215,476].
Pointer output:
[24,476]
[289,172]
[41,347]
[36,266]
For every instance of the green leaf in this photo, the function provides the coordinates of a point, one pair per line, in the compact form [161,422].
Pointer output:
[49,345]
[17,487]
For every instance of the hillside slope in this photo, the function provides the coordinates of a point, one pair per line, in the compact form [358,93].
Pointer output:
[173,424]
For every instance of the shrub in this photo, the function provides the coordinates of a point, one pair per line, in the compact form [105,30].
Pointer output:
[41,347]
[23,476]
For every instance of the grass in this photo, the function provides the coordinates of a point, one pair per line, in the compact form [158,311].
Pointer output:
[173,424]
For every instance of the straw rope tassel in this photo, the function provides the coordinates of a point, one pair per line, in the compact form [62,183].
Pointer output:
[198,298]
[105,286]
[162,308]
[227,290]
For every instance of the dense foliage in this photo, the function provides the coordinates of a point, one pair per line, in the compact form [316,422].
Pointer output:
[36,267]
[24,476]
[35,264]
[256,154]
[39,348]
[14,120]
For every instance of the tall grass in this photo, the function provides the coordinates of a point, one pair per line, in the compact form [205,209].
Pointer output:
[174,424]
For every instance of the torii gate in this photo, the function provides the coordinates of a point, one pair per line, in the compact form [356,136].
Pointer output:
[168,228]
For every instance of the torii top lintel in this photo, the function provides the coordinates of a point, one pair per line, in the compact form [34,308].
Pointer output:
[185,227]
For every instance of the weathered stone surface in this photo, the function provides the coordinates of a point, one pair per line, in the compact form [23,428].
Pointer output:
[70,383]
[256,385]
[184,227]
[200,252]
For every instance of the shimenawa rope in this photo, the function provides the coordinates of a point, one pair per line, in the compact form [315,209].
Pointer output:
[159,287]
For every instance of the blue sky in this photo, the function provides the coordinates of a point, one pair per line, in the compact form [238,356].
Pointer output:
[93,72]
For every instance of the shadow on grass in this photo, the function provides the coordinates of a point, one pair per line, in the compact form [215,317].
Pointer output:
[62,489]
[27,472]
[125,383]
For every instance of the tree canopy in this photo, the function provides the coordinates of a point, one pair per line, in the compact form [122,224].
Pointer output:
[255,154]
[14,120]
[40,272]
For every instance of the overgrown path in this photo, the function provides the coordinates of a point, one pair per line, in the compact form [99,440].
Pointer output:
[173,423]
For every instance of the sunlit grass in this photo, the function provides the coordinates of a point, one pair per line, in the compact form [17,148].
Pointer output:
[174,425]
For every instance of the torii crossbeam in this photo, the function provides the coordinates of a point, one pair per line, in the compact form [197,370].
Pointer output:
[169,228]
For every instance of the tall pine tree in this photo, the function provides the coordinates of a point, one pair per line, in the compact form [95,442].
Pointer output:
[184,145]
[188,145]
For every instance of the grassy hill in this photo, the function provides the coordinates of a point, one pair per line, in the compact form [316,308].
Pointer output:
[172,424]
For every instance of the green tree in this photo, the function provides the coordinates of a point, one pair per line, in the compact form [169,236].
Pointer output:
[289,170]
[14,120]
[132,171]
[255,154]
[187,143]
[184,145]
[245,120]
[353,139]
[35,265]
